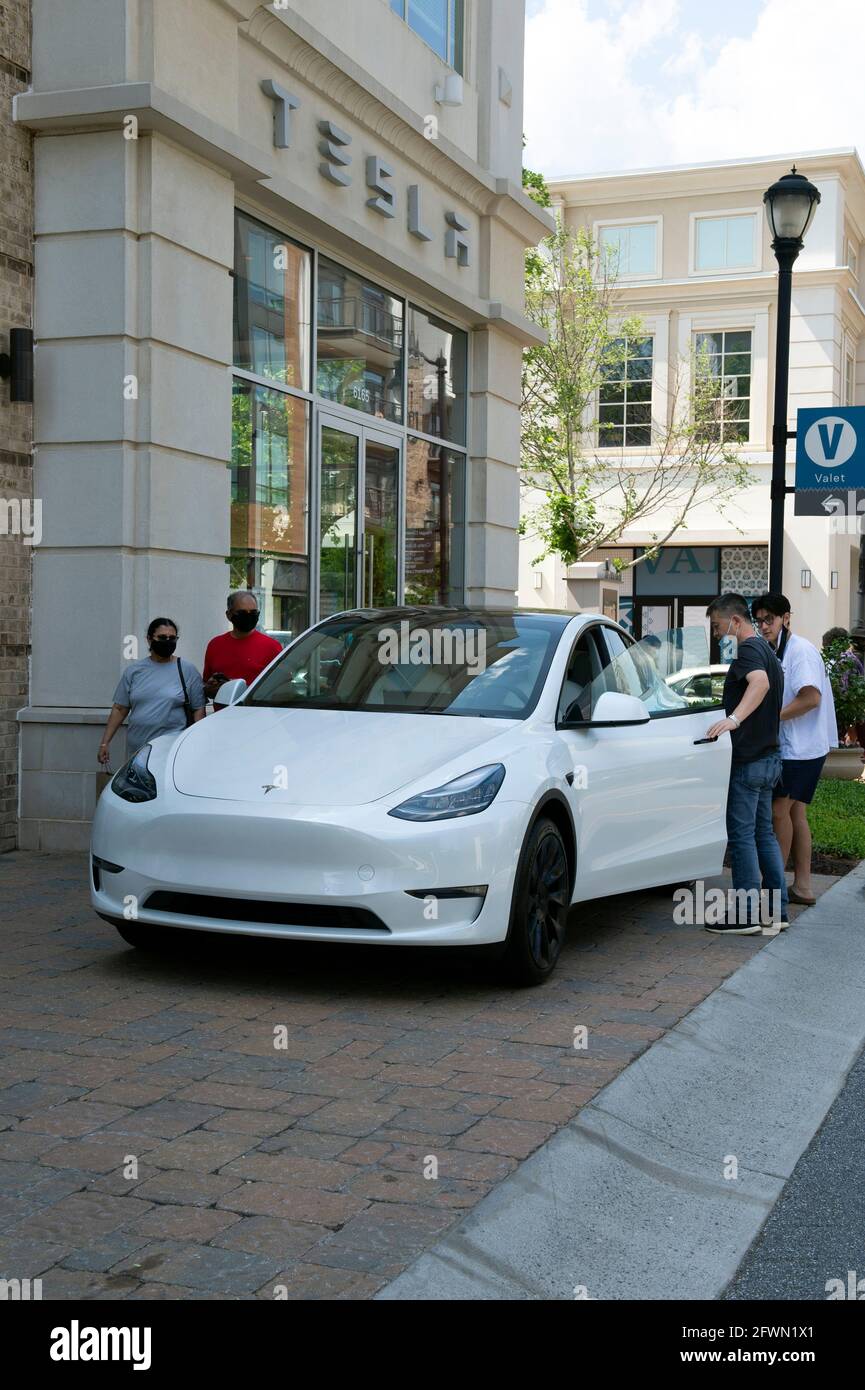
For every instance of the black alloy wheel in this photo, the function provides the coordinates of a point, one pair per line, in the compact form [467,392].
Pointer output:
[540,906]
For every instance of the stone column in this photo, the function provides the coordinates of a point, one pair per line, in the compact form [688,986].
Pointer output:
[133,322]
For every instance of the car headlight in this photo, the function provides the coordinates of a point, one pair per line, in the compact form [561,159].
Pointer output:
[464,796]
[135,781]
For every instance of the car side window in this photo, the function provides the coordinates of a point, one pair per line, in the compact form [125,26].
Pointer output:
[626,670]
[585,665]
[645,669]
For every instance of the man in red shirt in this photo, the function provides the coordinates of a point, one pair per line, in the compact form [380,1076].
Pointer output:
[241,653]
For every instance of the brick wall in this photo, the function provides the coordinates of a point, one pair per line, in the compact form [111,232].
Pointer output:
[16,293]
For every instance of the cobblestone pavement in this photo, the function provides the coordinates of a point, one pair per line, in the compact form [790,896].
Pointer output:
[241,1119]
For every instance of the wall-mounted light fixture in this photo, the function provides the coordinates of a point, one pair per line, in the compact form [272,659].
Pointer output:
[449,92]
[16,365]
[806,579]
[538,579]
[833,579]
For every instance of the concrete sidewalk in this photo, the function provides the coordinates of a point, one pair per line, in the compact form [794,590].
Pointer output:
[636,1198]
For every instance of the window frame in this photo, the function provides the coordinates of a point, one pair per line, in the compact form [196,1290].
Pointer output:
[719,214]
[606,223]
[723,331]
[625,446]
[589,630]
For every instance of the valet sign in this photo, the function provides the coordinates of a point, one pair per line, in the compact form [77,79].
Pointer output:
[830,456]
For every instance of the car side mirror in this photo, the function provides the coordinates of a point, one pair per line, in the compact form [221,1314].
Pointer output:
[230,692]
[614,710]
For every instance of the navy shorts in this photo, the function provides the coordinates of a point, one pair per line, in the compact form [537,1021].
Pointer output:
[799,778]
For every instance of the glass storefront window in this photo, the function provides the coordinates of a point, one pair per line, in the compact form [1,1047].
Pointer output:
[437,355]
[434,524]
[269,502]
[272,305]
[354,511]
[440,23]
[360,343]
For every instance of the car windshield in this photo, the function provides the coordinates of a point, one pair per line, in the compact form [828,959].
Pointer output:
[460,662]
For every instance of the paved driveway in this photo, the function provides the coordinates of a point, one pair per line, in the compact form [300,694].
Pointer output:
[244,1118]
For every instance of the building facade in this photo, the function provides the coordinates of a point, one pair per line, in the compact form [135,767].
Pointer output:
[18,522]
[279,324]
[694,263]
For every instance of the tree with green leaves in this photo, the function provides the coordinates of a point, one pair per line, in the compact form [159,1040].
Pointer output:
[582,489]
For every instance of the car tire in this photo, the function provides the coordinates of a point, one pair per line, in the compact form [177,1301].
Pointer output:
[539,908]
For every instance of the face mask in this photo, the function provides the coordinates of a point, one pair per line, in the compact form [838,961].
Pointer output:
[163,646]
[245,622]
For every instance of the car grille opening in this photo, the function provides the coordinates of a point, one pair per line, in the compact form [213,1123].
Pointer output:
[281,914]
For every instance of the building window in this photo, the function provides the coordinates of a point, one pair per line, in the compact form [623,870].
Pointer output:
[625,396]
[629,251]
[272,305]
[434,524]
[440,23]
[724,367]
[437,359]
[726,243]
[269,503]
[418,451]
[360,343]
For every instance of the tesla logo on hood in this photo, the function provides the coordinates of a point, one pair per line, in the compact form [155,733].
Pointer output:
[268,787]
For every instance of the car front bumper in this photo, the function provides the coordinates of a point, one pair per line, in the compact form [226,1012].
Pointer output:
[271,870]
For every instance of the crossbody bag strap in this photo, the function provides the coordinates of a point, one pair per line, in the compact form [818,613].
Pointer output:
[186,705]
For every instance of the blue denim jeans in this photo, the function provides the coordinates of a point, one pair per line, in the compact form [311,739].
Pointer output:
[755,857]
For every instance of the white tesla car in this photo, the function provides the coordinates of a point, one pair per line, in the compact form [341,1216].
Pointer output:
[419,777]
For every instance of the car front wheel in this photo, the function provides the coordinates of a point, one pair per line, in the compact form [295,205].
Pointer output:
[540,906]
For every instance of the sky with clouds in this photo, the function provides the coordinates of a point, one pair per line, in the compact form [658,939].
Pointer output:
[626,84]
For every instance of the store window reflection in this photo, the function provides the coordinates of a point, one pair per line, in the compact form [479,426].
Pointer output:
[269,503]
[437,356]
[360,343]
[272,290]
[434,524]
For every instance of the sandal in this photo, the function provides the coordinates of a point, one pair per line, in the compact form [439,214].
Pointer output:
[800,898]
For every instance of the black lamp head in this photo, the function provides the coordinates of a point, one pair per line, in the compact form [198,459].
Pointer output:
[790,206]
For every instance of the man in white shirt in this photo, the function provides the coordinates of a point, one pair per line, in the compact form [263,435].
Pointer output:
[808,730]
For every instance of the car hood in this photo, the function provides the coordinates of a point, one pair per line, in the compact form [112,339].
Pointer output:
[329,757]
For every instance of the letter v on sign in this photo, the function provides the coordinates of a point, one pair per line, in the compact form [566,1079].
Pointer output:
[830,442]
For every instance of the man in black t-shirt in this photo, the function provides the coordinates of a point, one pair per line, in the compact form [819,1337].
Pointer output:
[753,696]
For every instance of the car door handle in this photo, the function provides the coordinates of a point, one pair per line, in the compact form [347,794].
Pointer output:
[705,740]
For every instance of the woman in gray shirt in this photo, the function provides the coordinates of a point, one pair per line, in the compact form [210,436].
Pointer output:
[151,692]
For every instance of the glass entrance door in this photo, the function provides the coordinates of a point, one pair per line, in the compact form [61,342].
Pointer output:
[338,519]
[359,517]
[380,523]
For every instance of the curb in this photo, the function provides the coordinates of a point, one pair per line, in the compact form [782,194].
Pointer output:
[630,1201]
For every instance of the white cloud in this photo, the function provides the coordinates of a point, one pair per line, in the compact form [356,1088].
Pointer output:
[638,87]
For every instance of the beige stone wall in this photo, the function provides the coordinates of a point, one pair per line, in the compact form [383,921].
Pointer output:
[16,286]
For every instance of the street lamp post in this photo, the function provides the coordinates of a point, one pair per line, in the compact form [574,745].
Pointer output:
[790,206]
